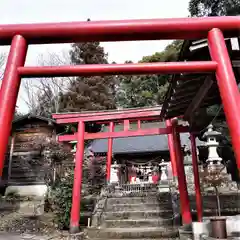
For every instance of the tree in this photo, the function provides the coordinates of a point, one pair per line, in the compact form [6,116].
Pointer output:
[141,91]
[88,93]
[147,90]
[42,95]
[200,8]
[169,54]
[3,58]
[214,177]
[132,92]
[17,114]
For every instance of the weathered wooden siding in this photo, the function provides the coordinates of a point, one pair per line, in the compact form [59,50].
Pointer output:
[27,162]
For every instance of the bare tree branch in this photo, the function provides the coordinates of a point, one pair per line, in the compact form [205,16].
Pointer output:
[49,87]
[3,59]
[31,92]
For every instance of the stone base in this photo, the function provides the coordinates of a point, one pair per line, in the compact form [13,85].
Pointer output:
[33,207]
[199,229]
[74,230]
[163,186]
[163,189]
[27,200]
[28,190]
[73,236]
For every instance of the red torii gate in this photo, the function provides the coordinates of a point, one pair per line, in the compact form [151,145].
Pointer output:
[19,36]
[125,116]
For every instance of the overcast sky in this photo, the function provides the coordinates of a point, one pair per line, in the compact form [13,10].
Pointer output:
[36,11]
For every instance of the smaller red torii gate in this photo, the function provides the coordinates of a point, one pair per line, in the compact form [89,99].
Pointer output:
[172,129]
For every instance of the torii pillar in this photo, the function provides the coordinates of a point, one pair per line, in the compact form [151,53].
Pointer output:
[182,184]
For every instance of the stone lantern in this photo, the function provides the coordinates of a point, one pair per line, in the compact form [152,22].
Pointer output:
[163,183]
[114,175]
[74,149]
[216,172]
[163,166]
[214,160]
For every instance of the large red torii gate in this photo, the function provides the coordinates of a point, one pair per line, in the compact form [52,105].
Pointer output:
[19,36]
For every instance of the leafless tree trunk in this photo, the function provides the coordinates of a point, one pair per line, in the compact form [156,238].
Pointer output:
[3,59]
[49,87]
[218,201]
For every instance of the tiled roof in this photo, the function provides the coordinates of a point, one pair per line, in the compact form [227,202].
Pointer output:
[141,144]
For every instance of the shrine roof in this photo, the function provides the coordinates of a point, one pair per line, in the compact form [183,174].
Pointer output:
[109,111]
[186,89]
[141,144]
[31,116]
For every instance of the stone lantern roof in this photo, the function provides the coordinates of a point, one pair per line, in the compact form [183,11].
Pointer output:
[211,133]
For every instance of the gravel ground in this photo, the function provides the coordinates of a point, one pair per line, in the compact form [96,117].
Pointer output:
[9,236]
[15,226]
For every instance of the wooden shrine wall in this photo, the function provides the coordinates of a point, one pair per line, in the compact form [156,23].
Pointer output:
[27,164]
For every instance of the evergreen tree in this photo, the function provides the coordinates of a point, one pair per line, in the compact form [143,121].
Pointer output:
[88,93]
[147,90]
[200,8]
[169,54]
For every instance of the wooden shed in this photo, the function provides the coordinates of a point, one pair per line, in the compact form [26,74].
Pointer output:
[24,163]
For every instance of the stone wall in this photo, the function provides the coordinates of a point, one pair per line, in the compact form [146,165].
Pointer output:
[26,206]
[229,201]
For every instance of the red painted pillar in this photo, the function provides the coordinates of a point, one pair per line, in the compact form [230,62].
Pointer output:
[9,91]
[227,87]
[182,184]
[172,150]
[77,184]
[139,124]
[109,153]
[196,178]
[126,125]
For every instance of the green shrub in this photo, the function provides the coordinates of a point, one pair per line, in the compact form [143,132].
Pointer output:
[60,195]
[61,199]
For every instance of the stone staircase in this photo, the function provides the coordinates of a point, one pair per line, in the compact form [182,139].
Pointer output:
[149,216]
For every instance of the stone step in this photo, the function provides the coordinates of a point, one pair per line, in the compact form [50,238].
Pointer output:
[132,200]
[133,233]
[165,214]
[137,206]
[125,223]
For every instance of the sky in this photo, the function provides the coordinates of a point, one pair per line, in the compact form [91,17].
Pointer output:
[35,11]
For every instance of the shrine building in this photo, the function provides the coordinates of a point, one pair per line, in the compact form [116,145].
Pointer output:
[141,156]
